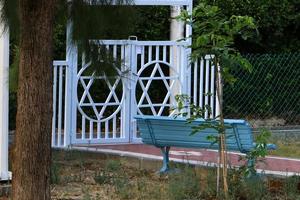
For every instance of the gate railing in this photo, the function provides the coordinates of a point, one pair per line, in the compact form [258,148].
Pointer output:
[145,62]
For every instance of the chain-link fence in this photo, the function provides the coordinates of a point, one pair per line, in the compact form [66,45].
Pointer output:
[269,96]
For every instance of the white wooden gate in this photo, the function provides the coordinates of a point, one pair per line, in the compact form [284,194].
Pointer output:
[93,109]
[161,72]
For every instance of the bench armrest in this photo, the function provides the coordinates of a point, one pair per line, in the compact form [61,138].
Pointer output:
[269,146]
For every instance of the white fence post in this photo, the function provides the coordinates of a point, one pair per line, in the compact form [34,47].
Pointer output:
[127,119]
[4,74]
[68,104]
[71,88]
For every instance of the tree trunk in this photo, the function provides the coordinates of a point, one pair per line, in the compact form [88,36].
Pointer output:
[222,142]
[32,152]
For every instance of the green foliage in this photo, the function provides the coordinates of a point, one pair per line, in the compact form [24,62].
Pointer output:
[107,22]
[59,40]
[214,35]
[187,109]
[278,22]
[152,23]
[10,17]
[270,90]
[260,151]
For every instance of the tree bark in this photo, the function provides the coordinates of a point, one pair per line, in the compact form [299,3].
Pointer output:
[32,152]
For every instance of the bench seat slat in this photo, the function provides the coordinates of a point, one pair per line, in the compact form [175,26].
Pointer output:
[196,137]
[185,144]
[244,135]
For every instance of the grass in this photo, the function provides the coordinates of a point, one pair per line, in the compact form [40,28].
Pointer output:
[83,175]
[287,149]
[288,145]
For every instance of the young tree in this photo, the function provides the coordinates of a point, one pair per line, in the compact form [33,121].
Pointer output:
[214,35]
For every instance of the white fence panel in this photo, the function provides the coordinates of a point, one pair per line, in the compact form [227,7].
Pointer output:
[60,101]
[203,89]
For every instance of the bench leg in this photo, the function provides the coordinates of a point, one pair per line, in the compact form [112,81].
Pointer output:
[165,152]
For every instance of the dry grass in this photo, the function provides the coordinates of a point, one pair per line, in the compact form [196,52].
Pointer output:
[86,176]
[290,149]
[96,176]
[91,176]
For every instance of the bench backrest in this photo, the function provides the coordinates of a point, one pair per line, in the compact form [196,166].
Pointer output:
[168,131]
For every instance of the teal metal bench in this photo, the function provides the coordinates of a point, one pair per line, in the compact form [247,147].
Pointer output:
[166,132]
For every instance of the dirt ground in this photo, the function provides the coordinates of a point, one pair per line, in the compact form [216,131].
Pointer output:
[91,176]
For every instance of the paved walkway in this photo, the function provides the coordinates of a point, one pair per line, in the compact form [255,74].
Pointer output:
[271,164]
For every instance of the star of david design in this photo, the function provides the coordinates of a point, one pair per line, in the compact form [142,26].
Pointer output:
[145,87]
[87,100]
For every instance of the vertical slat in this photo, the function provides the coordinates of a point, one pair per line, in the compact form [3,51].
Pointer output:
[217,99]
[171,56]
[123,56]
[178,56]
[182,71]
[60,90]
[115,51]
[165,53]
[186,54]
[143,56]
[157,53]
[91,130]
[114,126]
[54,105]
[150,53]
[125,60]
[195,83]
[98,130]
[83,60]
[206,85]
[201,80]
[106,129]
[83,128]
[212,89]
